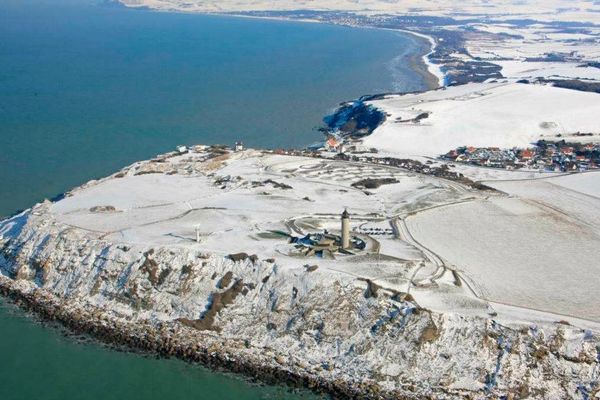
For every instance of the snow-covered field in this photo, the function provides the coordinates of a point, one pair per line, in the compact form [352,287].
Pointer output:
[583,183]
[230,215]
[562,10]
[504,43]
[504,114]
[559,70]
[535,249]
[518,252]
[152,244]
[570,195]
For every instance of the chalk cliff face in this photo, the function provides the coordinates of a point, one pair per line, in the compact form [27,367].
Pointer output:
[335,331]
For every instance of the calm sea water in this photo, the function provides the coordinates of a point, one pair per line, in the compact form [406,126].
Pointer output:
[39,362]
[86,89]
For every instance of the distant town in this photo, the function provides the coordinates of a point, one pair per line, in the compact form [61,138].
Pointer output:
[544,155]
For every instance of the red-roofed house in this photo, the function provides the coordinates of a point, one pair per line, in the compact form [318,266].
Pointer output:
[331,143]
[527,154]
[567,150]
[452,154]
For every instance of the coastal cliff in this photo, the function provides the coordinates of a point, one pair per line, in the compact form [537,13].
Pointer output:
[330,332]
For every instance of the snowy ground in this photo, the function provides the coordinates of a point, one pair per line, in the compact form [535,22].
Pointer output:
[231,216]
[518,253]
[562,10]
[458,293]
[418,229]
[588,184]
[509,45]
[504,114]
[535,249]
[560,70]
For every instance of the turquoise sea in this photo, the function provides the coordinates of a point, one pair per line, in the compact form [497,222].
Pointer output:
[86,88]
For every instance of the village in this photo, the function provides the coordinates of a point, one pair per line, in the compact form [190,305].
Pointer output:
[546,156]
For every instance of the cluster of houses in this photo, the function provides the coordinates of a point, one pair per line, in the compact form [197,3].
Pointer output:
[543,155]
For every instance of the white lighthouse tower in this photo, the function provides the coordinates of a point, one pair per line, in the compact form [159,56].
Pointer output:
[345,230]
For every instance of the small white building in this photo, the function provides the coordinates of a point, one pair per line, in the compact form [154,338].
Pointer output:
[182,149]
[239,146]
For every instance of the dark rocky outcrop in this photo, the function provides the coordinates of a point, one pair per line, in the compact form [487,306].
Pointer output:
[242,257]
[311,268]
[373,183]
[218,301]
[225,280]
[372,288]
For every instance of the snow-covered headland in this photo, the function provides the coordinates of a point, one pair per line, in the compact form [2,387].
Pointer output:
[469,282]
[189,255]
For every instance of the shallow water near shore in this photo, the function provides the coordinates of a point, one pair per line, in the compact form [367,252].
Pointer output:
[40,362]
[86,89]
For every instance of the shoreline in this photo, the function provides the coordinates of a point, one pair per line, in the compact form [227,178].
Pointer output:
[438,77]
[184,343]
[431,74]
